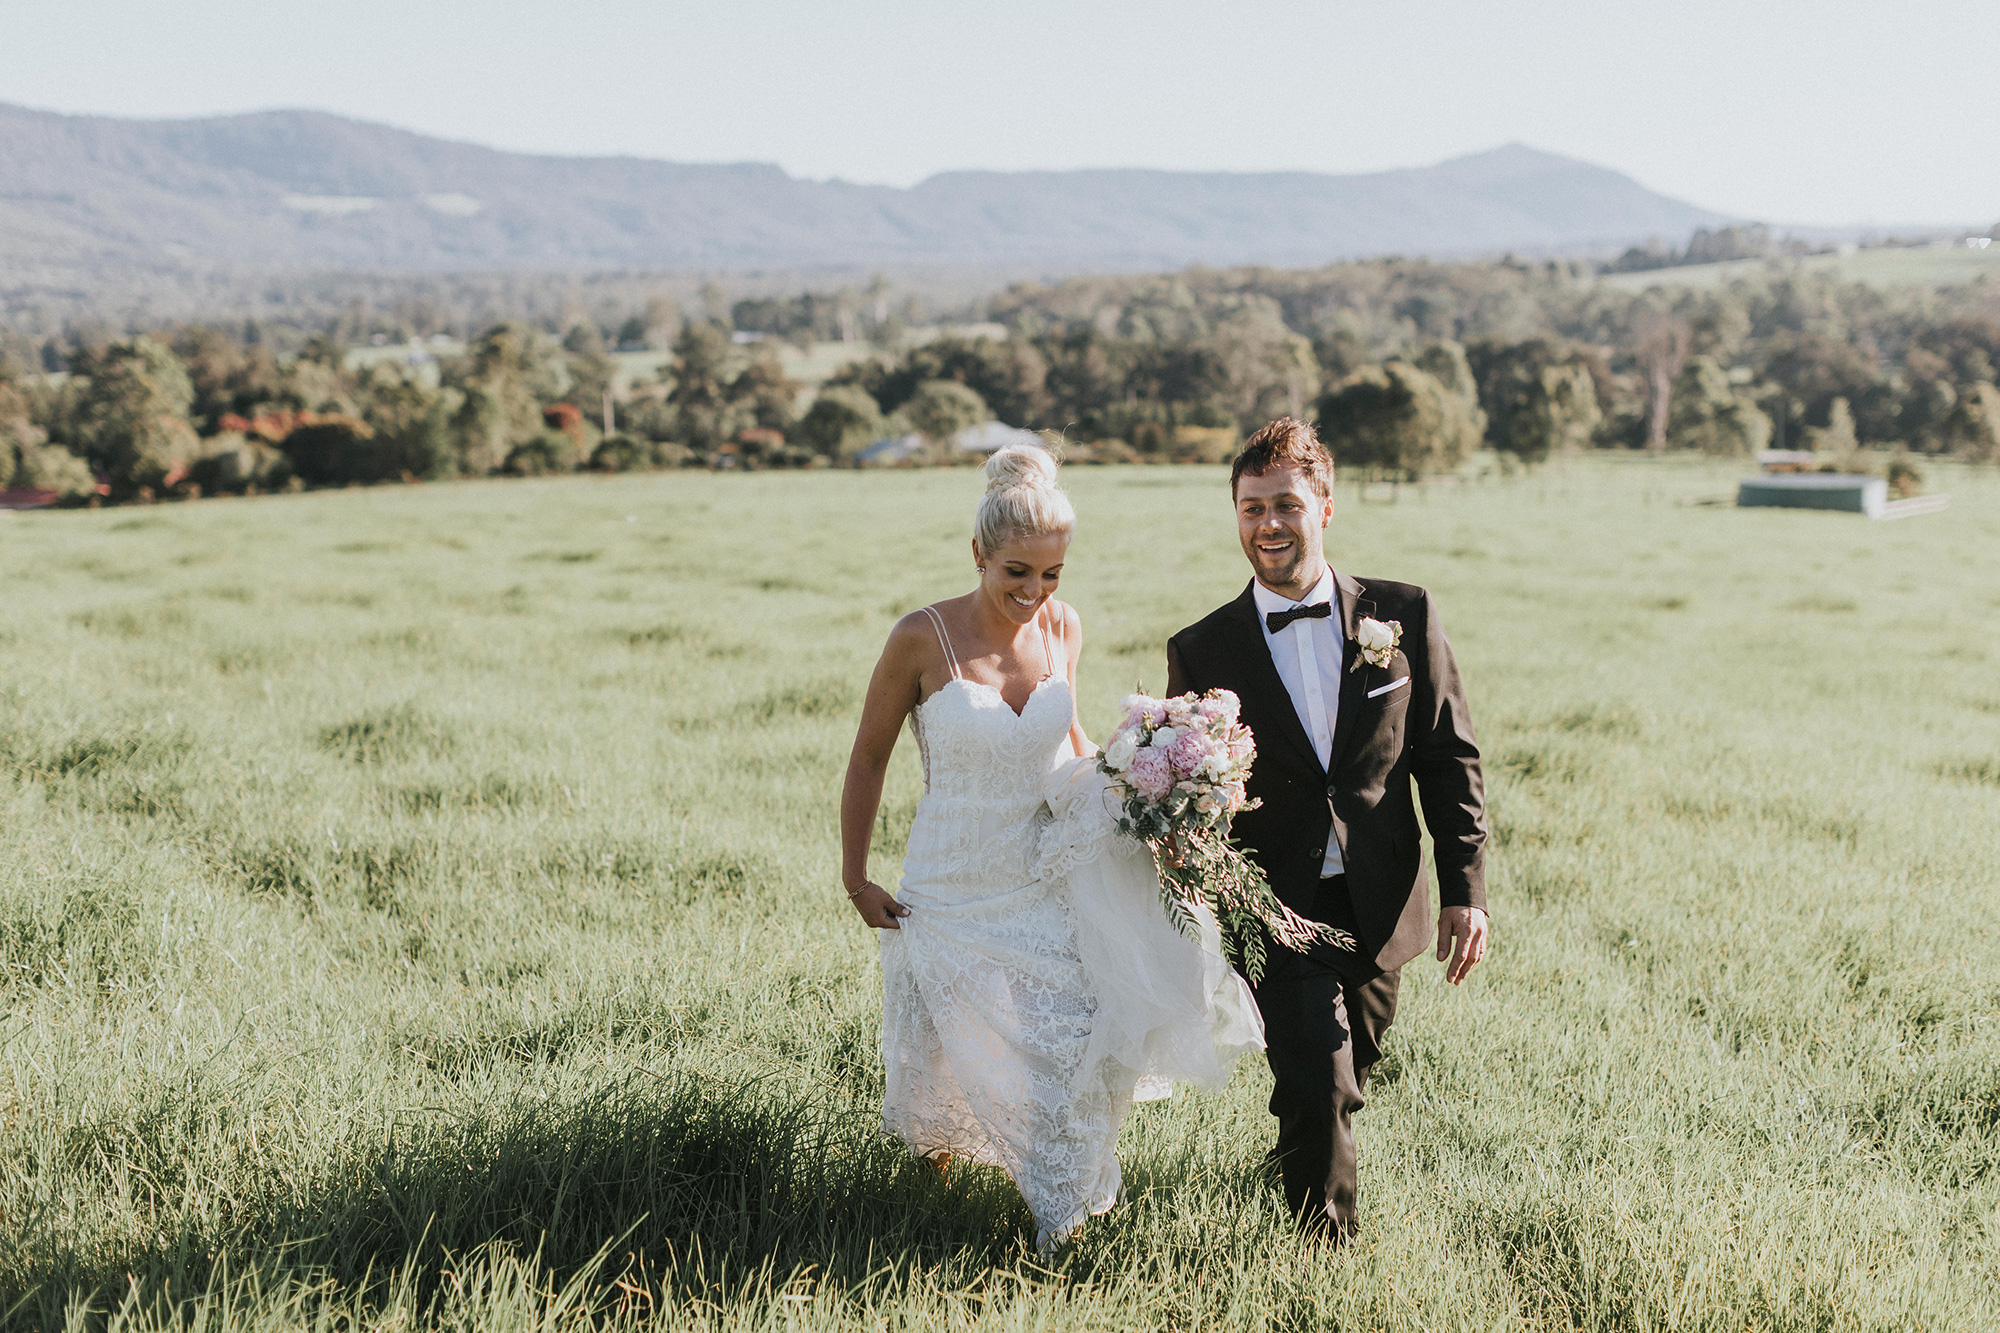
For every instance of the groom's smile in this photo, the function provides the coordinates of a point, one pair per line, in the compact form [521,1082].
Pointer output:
[1281,520]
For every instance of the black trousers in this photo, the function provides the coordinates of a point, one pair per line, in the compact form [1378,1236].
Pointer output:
[1325,1015]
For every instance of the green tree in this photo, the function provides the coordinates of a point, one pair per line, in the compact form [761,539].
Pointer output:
[1539,398]
[48,467]
[506,377]
[340,450]
[705,415]
[1972,430]
[1927,399]
[227,376]
[1011,376]
[1838,435]
[1270,371]
[761,390]
[941,408]
[1710,416]
[130,420]
[232,463]
[1398,419]
[414,422]
[842,421]
[1816,368]
[591,369]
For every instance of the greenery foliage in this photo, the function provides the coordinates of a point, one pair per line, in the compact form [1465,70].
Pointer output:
[1411,364]
[1402,420]
[1711,415]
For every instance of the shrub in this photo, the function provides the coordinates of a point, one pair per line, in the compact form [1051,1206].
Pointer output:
[1103,451]
[841,422]
[621,453]
[1972,430]
[1905,479]
[941,409]
[1203,444]
[337,450]
[546,451]
[51,467]
[232,464]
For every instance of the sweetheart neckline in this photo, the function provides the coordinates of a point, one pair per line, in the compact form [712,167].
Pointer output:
[1018,713]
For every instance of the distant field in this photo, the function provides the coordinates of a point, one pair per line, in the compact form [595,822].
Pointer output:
[418,905]
[1927,266]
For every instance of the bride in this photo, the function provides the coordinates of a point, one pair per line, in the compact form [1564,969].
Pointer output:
[1033,988]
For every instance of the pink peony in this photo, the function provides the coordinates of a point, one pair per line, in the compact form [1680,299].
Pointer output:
[1188,751]
[1142,710]
[1242,749]
[1222,705]
[1150,774]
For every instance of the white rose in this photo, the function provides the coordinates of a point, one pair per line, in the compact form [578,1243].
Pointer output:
[1122,750]
[1164,737]
[1373,635]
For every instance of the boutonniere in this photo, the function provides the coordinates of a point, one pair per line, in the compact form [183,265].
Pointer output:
[1377,641]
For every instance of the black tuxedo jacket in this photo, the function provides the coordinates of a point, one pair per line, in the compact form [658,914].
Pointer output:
[1405,721]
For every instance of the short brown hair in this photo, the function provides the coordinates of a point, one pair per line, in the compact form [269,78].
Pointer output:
[1286,440]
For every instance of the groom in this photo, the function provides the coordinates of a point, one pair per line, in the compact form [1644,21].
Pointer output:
[1351,692]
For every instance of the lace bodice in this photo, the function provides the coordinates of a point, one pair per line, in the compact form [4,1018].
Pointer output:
[984,770]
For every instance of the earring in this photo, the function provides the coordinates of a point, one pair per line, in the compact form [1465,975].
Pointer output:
[979,569]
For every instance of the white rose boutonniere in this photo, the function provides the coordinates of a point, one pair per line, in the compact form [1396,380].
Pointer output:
[1377,641]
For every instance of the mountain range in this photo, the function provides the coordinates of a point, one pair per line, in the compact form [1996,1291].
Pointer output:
[91,196]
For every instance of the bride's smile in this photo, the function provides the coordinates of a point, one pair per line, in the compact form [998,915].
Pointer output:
[1018,579]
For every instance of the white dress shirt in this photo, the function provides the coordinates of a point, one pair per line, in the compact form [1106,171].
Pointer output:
[1307,655]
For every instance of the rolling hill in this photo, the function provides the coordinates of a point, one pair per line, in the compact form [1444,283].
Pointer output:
[91,196]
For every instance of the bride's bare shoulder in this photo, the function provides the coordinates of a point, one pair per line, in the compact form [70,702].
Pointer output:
[1067,617]
[914,628]
[915,638]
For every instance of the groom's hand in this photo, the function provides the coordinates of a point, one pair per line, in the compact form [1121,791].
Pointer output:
[877,907]
[1462,939]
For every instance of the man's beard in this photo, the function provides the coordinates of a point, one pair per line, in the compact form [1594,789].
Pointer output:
[1289,571]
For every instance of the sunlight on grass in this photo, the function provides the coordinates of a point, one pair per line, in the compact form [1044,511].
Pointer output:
[419,909]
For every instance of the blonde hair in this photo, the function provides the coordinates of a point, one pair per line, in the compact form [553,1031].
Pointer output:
[1022,498]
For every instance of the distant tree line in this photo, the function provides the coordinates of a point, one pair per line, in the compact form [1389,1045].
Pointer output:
[1408,366]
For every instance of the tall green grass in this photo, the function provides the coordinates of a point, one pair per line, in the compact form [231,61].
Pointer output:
[418,909]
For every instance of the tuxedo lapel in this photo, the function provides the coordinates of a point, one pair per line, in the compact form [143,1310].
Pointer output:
[1262,686]
[1354,604]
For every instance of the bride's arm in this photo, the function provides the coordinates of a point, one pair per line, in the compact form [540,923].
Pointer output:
[1072,637]
[892,692]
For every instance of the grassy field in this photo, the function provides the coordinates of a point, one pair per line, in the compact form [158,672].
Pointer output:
[419,909]
[1902,266]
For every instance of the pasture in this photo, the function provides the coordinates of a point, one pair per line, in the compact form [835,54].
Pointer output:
[419,909]
[1883,267]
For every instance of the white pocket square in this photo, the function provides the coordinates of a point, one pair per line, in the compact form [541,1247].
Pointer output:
[1384,689]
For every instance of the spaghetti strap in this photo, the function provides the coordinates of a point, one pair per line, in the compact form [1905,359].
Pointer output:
[1058,660]
[944,640]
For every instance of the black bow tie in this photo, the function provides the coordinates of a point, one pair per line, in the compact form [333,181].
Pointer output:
[1277,620]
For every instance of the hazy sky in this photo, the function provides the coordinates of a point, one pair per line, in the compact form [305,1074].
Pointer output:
[1832,112]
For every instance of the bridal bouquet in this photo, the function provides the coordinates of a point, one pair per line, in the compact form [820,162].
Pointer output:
[1180,766]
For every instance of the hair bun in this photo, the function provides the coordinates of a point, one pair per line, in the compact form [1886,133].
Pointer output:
[1021,465]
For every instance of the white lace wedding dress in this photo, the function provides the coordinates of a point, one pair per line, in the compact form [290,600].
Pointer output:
[1036,990]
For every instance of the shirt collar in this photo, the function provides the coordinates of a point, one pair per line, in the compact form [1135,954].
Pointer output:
[1268,601]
